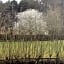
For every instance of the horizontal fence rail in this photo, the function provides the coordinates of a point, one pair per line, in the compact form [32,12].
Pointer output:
[32,61]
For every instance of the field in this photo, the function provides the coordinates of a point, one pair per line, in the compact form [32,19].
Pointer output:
[32,49]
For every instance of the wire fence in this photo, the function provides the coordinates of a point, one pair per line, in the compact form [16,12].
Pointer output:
[31,49]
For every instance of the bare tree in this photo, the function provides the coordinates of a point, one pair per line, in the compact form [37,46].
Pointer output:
[54,22]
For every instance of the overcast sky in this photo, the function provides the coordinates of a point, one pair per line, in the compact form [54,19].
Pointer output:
[10,0]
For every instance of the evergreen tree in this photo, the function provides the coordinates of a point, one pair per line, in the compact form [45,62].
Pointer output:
[27,4]
[14,5]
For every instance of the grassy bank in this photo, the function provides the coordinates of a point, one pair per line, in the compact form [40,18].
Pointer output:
[32,49]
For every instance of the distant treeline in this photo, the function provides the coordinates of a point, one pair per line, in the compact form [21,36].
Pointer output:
[30,37]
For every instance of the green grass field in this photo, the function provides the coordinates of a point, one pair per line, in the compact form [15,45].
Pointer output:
[31,48]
